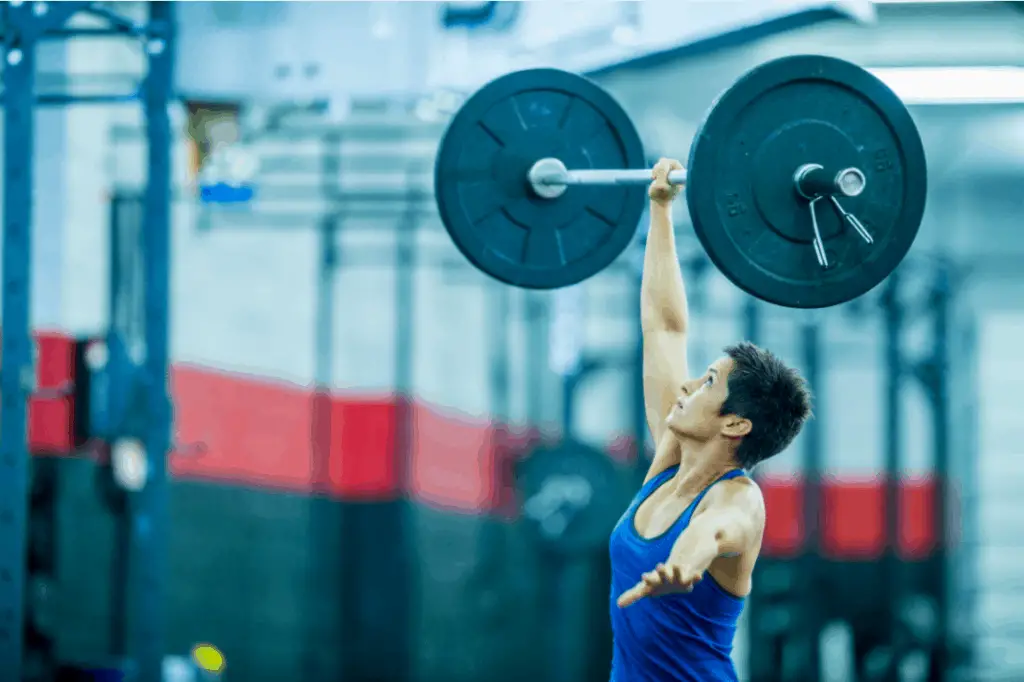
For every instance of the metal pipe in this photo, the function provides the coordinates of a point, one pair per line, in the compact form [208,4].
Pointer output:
[151,519]
[324,517]
[59,99]
[812,180]
[403,540]
[117,209]
[405,268]
[639,411]
[753,320]
[16,370]
[761,649]
[498,312]
[85,32]
[619,177]
[813,446]
[118,22]
[82,32]
[892,572]
[549,177]
[941,304]
[323,345]
[536,355]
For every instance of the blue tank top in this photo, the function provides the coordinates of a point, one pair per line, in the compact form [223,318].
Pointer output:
[681,637]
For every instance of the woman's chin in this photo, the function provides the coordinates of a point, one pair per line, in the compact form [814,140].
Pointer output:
[675,428]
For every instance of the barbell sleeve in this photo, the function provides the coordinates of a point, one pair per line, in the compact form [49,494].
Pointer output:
[812,181]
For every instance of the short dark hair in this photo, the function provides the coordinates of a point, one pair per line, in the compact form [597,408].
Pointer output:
[771,395]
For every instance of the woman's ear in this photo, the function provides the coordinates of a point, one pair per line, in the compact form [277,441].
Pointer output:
[736,427]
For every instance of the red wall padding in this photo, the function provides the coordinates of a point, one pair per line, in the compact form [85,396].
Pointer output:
[257,432]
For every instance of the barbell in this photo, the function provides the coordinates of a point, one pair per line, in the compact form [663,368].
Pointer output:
[805,183]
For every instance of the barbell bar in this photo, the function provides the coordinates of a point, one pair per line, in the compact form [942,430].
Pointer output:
[810,180]
[539,180]
[549,178]
[548,175]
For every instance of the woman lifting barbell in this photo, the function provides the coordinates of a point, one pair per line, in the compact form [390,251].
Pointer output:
[683,553]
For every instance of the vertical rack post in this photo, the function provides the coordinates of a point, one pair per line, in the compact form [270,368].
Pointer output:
[324,514]
[760,649]
[934,372]
[639,408]
[328,228]
[896,370]
[403,594]
[25,25]
[813,447]
[151,520]
[16,371]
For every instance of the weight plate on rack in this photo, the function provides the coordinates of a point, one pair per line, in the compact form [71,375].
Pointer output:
[740,187]
[487,204]
[571,496]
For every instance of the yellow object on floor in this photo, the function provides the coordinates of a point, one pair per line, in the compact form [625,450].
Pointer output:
[208,658]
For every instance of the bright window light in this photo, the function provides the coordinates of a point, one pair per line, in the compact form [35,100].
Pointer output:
[625,35]
[930,2]
[955,84]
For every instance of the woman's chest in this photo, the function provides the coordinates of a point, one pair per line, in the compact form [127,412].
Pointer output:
[657,514]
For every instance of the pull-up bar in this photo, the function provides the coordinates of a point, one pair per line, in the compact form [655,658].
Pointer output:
[60,99]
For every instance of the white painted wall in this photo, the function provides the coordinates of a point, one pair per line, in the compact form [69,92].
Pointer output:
[49,214]
[88,169]
[267,50]
[999,544]
[262,50]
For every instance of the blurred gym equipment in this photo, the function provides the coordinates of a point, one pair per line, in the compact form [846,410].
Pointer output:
[570,496]
[144,391]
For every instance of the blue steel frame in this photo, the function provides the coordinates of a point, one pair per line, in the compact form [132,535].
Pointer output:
[27,23]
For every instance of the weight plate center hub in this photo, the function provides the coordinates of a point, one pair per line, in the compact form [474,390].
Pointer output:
[777,160]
